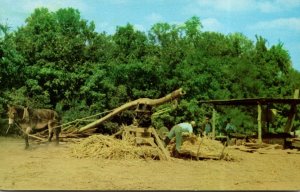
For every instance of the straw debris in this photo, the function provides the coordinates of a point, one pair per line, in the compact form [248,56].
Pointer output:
[108,147]
[201,147]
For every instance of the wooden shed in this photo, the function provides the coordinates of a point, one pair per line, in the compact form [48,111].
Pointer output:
[259,102]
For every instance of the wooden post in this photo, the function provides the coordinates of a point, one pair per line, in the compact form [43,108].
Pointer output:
[259,113]
[268,118]
[214,123]
[289,124]
[160,144]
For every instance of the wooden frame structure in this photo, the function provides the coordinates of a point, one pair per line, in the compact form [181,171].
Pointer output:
[145,136]
[259,102]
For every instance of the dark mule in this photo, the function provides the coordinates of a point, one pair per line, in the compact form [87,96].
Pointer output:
[35,120]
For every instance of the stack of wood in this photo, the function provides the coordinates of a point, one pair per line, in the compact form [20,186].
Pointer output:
[296,142]
[265,148]
[257,147]
[67,135]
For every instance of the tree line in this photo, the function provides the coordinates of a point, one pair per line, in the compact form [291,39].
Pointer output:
[57,60]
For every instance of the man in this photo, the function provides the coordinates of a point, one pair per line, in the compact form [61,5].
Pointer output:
[229,128]
[177,132]
[206,127]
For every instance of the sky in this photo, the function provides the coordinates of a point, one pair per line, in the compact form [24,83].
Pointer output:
[278,21]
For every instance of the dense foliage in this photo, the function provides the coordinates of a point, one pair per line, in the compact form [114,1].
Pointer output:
[57,60]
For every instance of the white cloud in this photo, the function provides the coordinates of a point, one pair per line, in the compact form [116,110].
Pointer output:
[268,7]
[118,2]
[139,27]
[277,5]
[279,24]
[226,5]
[15,16]
[211,24]
[101,26]
[213,8]
[53,5]
[233,6]
[154,18]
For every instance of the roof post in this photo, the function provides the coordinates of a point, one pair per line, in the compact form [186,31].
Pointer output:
[259,113]
[214,123]
[289,124]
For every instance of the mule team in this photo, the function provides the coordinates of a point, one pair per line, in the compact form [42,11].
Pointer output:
[34,120]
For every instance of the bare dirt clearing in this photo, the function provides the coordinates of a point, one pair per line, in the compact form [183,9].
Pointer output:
[53,167]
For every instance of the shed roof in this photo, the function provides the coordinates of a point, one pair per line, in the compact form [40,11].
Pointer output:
[252,101]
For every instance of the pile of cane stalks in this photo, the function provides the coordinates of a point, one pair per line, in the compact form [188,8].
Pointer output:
[109,147]
[201,148]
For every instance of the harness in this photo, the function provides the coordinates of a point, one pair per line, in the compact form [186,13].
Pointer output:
[28,117]
[25,114]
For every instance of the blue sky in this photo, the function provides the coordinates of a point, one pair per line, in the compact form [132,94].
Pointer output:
[275,20]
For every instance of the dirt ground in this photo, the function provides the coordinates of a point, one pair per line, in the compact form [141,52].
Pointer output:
[49,167]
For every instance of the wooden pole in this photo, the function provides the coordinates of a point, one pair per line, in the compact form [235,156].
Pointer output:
[36,137]
[268,118]
[259,113]
[289,124]
[198,154]
[160,144]
[29,135]
[214,123]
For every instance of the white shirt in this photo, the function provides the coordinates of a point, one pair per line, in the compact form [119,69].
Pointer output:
[186,127]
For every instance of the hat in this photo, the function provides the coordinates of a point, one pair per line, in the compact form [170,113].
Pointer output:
[193,123]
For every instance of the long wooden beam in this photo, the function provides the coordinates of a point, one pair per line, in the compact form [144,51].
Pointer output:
[152,102]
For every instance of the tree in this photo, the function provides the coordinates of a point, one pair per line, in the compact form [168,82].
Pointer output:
[58,60]
[53,45]
[130,44]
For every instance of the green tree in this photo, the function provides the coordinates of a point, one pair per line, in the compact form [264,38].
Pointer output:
[54,45]
[58,60]
[130,44]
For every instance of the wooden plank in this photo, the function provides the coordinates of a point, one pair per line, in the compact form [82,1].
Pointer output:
[142,130]
[142,140]
[296,144]
[138,130]
[242,148]
[199,156]
[129,129]
[292,151]
[256,145]
[160,144]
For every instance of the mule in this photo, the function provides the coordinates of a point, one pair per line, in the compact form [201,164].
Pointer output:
[34,120]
